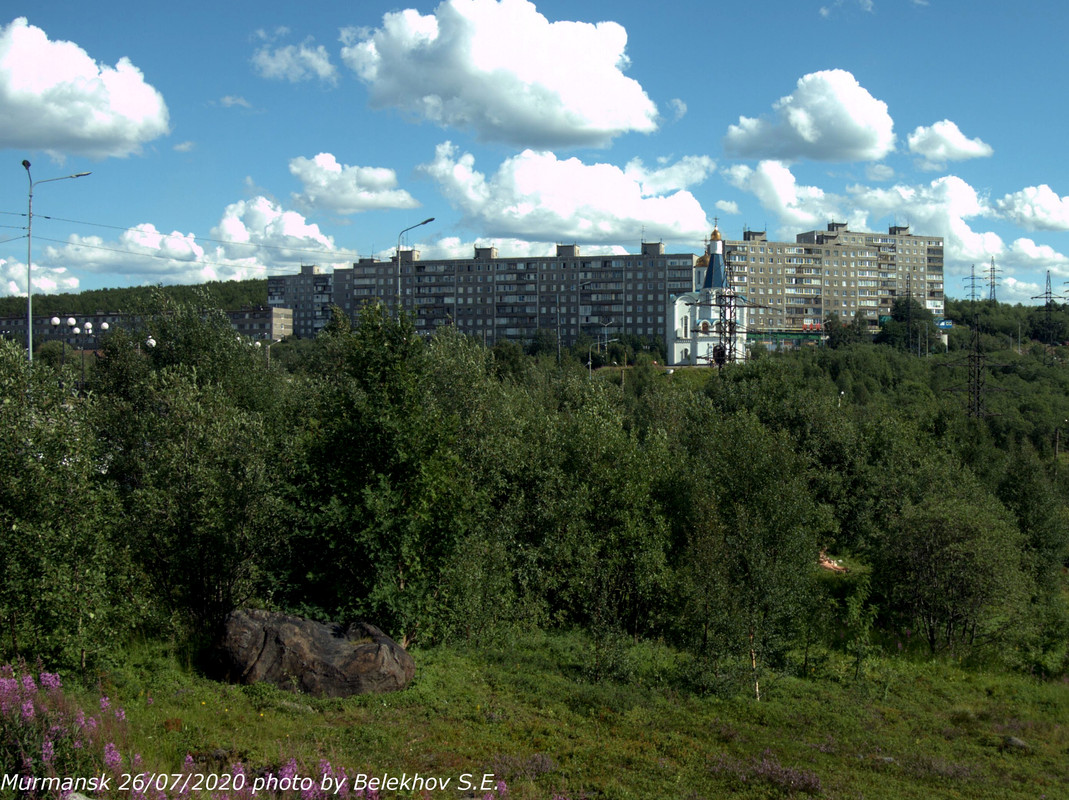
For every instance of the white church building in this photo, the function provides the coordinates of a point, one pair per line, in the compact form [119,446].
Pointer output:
[707,327]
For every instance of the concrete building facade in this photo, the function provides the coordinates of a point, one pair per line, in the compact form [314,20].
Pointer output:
[778,290]
[493,297]
[309,293]
[793,286]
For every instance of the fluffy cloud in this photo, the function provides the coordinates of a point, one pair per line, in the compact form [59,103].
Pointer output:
[1026,253]
[944,142]
[343,189]
[143,255]
[879,172]
[54,97]
[942,206]
[688,171]
[503,70]
[46,279]
[1036,208]
[534,195]
[252,237]
[261,230]
[829,117]
[798,207]
[294,63]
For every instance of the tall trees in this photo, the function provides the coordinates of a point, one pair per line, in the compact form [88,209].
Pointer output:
[63,573]
[954,564]
[192,446]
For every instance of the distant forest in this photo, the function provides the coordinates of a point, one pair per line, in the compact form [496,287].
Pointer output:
[227,295]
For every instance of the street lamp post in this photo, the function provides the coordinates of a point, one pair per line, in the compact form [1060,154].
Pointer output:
[402,233]
[589,357]
[29,251]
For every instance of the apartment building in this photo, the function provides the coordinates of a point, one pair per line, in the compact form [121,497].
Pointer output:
[309,293]
[493,297]
[793,286]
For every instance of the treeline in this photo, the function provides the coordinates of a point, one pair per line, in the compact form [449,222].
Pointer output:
[228,295]
[444,493]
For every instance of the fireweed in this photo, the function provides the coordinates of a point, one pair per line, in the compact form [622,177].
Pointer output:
[46,738]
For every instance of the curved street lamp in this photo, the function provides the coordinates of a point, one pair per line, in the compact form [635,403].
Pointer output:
[402,233]
[29,251]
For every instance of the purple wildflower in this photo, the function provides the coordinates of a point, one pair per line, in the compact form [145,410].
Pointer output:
[112,758]
[27,710]
[48,751]
[120,715]
[50,680]
[104,703]
[28,684]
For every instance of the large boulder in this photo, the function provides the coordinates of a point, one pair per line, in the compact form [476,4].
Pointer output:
[306,656]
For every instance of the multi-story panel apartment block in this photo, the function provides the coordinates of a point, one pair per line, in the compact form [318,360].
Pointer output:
[793,286]
[494,298]
[310,294]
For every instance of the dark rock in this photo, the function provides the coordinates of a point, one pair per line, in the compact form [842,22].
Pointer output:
[311,657]
[1013,744]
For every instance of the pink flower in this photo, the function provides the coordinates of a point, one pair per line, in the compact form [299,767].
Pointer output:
[112,758]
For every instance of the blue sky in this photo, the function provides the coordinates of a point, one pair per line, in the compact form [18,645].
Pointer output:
[239,139]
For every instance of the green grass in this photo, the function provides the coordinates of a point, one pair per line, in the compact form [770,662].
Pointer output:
[529,713]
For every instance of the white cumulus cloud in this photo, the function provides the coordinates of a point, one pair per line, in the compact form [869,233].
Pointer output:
[1036,208]
[345,189]
[798,207]
[55,97]
[534,195]
[46,279]
[294,63]
[829,117]
[943,142]
[253,238]
[262,230]
[504,71]
[688,171]
[942,207]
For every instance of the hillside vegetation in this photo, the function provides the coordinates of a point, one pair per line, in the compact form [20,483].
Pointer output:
[625,556]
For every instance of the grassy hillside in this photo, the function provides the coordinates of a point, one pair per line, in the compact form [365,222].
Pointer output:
[528,713]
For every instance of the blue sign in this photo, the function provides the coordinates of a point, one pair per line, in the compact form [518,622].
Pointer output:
[944,324]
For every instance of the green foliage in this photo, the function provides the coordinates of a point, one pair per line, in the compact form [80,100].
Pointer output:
[230,295]
[64,575]
[448,492]
[954,565]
